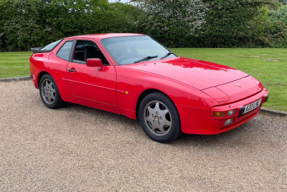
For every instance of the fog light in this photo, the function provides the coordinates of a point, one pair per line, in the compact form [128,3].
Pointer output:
[219,114]
[231,112]
[228,121]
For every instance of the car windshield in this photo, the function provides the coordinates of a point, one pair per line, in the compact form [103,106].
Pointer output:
[51,46]
[134,49]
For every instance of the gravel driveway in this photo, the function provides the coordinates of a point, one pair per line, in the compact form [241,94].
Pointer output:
[78,148]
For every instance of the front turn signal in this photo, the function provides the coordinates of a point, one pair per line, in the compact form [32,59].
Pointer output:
[219,114]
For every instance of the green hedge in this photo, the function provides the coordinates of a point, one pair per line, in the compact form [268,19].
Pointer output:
[182,23]
[223,23]
[27,24]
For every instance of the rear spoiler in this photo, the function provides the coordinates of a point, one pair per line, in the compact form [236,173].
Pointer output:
[38,50]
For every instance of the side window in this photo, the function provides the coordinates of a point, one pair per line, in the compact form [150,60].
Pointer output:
[65,50]
[87,50]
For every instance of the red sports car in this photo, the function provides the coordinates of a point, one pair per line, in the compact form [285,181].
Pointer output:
[133,75]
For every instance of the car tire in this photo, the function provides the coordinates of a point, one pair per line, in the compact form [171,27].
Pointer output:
[49,92]
[159,118]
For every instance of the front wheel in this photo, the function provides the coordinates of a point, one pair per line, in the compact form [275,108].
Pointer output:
[49,92]
[159,118]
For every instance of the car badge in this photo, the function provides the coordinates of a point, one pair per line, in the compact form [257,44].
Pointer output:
[238,85]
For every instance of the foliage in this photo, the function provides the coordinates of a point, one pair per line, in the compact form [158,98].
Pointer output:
[227,22]
[172,22]
[204,23]
[268,31]
[284,2]
[279,15]
[175,23]
[128,13]
[28,23]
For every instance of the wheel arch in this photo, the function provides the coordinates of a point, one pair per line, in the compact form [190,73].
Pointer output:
[41,74]
[145,93]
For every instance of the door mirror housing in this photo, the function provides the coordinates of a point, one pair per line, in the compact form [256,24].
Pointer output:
[95,63]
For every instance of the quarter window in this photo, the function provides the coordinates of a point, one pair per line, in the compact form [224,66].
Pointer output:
[65,50]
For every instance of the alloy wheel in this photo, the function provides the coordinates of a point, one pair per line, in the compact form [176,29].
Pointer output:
[157,118]
[48,91]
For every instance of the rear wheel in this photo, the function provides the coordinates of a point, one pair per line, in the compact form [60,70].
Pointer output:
[159,118]
[49,92]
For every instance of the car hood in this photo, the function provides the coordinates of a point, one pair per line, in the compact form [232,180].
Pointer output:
[198,74]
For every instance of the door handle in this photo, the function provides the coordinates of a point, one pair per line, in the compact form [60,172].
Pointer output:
[72,70]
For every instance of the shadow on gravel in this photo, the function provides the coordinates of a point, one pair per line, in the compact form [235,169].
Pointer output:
[99,113]
[235,136]
[212,140]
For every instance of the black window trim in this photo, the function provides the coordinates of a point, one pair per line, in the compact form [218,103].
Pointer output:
[70,51]
[73,50]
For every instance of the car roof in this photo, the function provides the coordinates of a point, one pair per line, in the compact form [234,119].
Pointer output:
[105,35]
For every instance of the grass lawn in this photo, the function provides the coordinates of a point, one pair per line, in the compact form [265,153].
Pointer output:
[267,65]
[14,64]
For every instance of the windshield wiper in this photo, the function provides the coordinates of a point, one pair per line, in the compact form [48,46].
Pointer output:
[168,54]
[146,58]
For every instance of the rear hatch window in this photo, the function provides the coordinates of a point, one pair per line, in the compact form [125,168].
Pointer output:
[51,46]
[47,48]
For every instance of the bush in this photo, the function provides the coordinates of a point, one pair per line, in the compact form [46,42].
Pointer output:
[200,23]
[228,22]
[280,14]
[268,32]
[172,22]
[26,23]
[182,23]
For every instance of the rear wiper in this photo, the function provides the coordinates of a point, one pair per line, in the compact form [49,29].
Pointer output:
[146,58]
[168,54]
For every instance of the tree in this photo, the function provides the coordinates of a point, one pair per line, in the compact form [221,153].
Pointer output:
[172,21]
[32,23]
[284,2]
[227,22]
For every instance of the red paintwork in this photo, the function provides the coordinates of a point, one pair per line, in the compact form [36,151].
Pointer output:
[197,88]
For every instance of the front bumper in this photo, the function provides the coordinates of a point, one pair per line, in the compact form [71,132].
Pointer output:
[206,124]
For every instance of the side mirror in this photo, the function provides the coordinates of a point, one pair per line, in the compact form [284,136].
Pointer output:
[95,63]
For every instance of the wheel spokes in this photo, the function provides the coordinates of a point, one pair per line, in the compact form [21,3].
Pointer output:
[161,128]
[48,91]
[48,98]
[53,92]
[158,118]
[150,110]
[162,113]
[165,122]
[156,108]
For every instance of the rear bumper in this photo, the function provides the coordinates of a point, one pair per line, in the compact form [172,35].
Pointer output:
[33,79]
[204,123]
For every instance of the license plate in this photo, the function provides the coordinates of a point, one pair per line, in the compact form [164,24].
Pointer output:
[250,107]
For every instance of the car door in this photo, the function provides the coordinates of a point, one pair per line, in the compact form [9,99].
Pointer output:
[88,85]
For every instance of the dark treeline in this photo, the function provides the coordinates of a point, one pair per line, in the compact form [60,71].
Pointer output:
[182,23]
